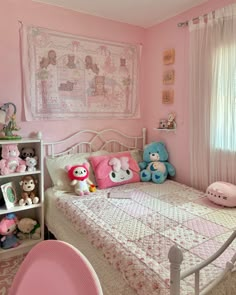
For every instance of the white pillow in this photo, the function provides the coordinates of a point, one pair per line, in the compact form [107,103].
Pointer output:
[58,174]
[137,155]
[222,193]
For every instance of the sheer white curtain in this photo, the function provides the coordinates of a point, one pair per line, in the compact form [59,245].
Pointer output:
[213,98]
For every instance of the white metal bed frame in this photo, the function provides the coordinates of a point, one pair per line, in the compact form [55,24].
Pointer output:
[102,140]
[96,140]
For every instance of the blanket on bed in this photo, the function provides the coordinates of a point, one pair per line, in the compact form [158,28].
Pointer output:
[135,233]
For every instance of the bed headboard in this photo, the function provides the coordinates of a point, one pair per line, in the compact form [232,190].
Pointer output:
[83,141]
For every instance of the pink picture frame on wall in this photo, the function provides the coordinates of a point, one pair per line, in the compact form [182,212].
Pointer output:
[169,77]
[169,56]
[168,96]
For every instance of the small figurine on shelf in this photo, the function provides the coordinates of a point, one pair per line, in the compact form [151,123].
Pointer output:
[8,121]
[31,163]
[163,124]
[8,231]
[171,121]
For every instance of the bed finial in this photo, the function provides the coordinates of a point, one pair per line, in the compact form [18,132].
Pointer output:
[175,256]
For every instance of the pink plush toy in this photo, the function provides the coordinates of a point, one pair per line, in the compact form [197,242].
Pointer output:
[79,174]
[11,162]
[8,231]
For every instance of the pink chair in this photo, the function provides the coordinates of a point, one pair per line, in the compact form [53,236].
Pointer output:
[55,267]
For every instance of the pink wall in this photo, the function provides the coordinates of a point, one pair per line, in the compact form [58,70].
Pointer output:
[155,40]
[66,21]
[158,38]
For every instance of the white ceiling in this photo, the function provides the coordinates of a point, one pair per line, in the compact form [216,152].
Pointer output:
[143,13]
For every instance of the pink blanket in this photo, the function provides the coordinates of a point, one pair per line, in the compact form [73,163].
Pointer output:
[135,233]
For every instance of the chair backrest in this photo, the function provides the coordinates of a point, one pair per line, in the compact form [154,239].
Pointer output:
[55,267]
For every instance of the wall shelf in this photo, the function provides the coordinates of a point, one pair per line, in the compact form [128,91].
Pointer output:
[166,129]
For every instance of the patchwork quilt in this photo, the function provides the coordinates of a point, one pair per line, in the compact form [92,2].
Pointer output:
[136,224]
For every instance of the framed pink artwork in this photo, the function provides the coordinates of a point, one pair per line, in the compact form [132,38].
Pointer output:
[169,77]
[169,56]
[168,96]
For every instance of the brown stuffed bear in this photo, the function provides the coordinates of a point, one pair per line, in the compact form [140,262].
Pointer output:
[28,194]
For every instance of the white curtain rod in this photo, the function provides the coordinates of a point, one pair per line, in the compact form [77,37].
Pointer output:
[196,19]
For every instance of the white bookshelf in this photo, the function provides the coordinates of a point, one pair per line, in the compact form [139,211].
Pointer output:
[35,211]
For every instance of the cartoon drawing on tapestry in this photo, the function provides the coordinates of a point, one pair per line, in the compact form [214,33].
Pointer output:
[50,59]
[71,62]
[77,76]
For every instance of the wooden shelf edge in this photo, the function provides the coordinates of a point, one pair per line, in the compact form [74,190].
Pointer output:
[19,208]
[24,247]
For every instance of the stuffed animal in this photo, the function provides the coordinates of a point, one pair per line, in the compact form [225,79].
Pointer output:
[7,230]
[27,152]
[28,195]
[155,166]
[79,174]
[28,228]
[31,163]
[171,121]
[11,162]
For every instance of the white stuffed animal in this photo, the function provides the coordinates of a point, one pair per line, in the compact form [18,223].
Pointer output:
[28,228]
[31,163]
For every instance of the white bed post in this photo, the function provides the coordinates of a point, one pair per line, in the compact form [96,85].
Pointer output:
[175,257]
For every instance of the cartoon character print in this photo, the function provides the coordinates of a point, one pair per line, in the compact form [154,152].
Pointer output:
[116,171]
[51,59]
[90,65]
[71,62]
[120,169]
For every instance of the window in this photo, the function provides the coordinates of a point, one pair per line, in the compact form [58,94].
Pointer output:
[223,101]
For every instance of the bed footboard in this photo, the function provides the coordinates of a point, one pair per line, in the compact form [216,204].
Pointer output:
[176,257]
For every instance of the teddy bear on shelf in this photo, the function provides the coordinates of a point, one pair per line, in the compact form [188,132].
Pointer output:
[11,162]
[171,121]
[28,228]
[31,163]
[79,174]
[28,195]
[8,227]
[155,166]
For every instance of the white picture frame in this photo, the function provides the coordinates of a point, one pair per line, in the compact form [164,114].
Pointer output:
[9,194]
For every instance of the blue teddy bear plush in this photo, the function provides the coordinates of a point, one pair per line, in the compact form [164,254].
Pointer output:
[155,166]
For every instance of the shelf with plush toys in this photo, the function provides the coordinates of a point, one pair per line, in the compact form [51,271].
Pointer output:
[169,124]
[21,195]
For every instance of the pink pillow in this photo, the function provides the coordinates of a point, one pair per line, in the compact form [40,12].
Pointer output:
[222,193]
[115,169]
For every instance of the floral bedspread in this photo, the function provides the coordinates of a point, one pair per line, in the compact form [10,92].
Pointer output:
[136,233]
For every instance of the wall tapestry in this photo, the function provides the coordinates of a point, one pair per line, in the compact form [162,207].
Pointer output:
[72,76]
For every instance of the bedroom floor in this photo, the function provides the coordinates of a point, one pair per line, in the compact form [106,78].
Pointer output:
[8,269]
